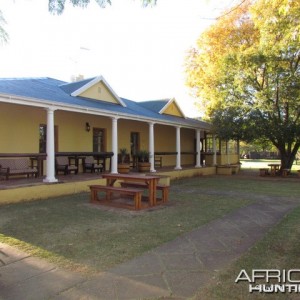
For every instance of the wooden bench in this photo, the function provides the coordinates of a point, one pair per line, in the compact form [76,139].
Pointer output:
[16,166]
[263,171]
[136,193]
[286,172]
[160,187]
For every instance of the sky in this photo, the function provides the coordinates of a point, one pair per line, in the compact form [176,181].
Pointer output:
[139,51]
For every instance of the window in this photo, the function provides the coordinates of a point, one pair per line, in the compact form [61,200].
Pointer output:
[134,142]
[43,138]
[99,138]
[209,143]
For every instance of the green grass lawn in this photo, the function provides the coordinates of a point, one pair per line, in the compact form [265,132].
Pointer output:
[279,249]
[73,234]
[253,164]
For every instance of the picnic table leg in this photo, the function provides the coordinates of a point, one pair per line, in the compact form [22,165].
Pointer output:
[154,192]
[109,182]
[137,201]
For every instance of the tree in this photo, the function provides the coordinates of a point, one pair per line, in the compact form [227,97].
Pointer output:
[246,67]
[58,6]
[3,33]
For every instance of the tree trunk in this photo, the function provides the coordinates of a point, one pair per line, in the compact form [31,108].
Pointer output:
[287,156]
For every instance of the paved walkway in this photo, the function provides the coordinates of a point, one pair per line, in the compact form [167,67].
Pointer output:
[175,270]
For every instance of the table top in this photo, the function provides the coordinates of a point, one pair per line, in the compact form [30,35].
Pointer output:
[274,165]
[130,176]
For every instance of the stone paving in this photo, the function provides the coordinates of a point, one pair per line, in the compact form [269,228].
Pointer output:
[175,270]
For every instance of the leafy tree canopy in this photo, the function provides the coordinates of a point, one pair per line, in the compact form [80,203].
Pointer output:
[245,69]
[3,33]
[58,6]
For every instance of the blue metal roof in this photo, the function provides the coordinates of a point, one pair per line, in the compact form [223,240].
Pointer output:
[155,105]
[59,92]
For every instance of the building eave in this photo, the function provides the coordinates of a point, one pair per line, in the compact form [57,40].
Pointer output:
[45,104]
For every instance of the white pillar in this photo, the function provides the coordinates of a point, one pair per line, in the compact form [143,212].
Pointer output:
[198,157]
[114,146]
[178,149]
[50,176]
[214,151]
[151,147]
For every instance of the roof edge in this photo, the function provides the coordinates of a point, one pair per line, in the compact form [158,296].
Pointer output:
[172,100]
[95,81]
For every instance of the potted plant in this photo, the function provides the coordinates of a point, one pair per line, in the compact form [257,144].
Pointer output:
[143,161]
[123,166]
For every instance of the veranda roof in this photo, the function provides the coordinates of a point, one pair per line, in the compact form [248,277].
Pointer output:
[46,92]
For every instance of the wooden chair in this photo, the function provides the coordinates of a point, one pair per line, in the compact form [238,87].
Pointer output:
[90,164]
[158,161]
[62,164]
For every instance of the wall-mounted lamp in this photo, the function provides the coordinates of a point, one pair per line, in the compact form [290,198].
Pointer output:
[87,127]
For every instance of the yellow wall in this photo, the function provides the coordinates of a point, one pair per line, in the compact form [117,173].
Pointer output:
[222,159]
[165,141]
[19,128]
[125,127]
[99,92]
[19,133]
[72,135]
[173,110]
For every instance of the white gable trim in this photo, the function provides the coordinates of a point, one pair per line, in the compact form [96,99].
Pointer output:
[173,100]
[95,81]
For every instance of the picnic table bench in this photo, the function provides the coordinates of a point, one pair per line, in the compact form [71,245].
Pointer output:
[160,187]
[136,193]
[286,172]
[263,171]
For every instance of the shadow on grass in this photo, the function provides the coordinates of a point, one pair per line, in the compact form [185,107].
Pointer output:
[74,234]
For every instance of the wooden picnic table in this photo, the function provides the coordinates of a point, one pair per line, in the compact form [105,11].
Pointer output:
[274,168]
[149,180]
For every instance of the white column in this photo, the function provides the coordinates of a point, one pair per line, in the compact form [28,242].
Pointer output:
[178,149]
[215,151]
[50,176]
[198,158]
[114,146]
[151,147]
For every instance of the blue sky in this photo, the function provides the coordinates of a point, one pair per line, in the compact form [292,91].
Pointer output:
[140,52]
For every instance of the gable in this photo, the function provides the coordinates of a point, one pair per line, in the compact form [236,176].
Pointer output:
[98,89]
[172,108]
[99,92]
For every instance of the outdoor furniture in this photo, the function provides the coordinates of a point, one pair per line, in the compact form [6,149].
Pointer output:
[136,193]
[149,180]
[89,163]
[263,171]
[62,164]
[274,168]
[100,157]
[38,163]
[159,187]
[158,161]
[286,172]
[16,166]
